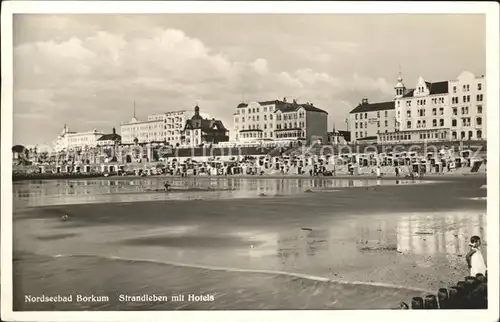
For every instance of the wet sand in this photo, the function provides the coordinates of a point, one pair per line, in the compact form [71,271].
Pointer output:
[370,239]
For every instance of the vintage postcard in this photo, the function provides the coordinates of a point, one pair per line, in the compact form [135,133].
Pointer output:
[249,161]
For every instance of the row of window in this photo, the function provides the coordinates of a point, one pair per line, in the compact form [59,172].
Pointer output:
[255,110]
[466,121]
[292,134]
[254,118]
[386,113]
[279,126]
[251,135]
[360,135]
[479,135]
[360,124]
[466,88]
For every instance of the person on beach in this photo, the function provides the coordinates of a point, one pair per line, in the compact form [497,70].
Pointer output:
[474,257]
[379,173]
[167,186]
[396,169]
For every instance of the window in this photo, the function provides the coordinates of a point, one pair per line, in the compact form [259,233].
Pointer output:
[441,111]
[378,123]
[454,122]
[270,116]
[386,113]
[455,111]
[479,97]
[434,123]
[464,98]
[434,111]
[378,114]
[468,88]
[386,123]
[479,134]
[423,124]
[361,125]
[366,115]
[356,135]
[366,125]
[366,134]
[454,89]
[257,117]
[265,108]
[419,124]
[470,135]
[257,110]
[479,86]
[468,98]
[243,119]
[479,109]
[441,122]
[355,116]
[479,121]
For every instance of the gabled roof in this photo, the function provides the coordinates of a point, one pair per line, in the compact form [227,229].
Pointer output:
[434,88]
[205,125]
[292,107]
[110,137]
[370,107]
[288,107]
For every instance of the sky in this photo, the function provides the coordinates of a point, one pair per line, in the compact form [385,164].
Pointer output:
[87,70]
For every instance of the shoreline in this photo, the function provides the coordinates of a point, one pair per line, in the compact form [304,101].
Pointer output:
[292,176]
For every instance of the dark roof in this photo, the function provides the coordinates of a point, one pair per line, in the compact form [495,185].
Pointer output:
[409,92]
[434,88]
[110,137]
[254,130]
[242,105]
[18,149]
[205,125]
[370,107]
[438,88]
[292,107]
[368,138]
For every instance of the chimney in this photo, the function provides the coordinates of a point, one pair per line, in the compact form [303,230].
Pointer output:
[114,131]
[364,101]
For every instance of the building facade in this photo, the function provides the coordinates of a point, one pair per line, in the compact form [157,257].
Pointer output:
[70,140]
[368,120]
[279,120]
[203,131]
[453,110]
[164,127]
[111,139]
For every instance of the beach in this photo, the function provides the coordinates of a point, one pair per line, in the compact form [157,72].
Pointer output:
[344,243]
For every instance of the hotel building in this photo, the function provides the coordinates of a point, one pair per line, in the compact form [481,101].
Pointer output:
[368,120]
[199,130]
[451,110]
[280,121]
[164,127]
[69,140]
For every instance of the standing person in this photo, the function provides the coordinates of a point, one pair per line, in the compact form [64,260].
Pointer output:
[396,169]
[474,258]
[379,173]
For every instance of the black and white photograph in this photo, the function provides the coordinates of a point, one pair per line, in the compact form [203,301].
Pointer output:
[249,158]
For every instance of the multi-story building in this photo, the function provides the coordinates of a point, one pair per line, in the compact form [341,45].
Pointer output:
[368,120]
[279,120]
[440,111]
[111,139]
[164,127]
[199,131]
[69,140]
